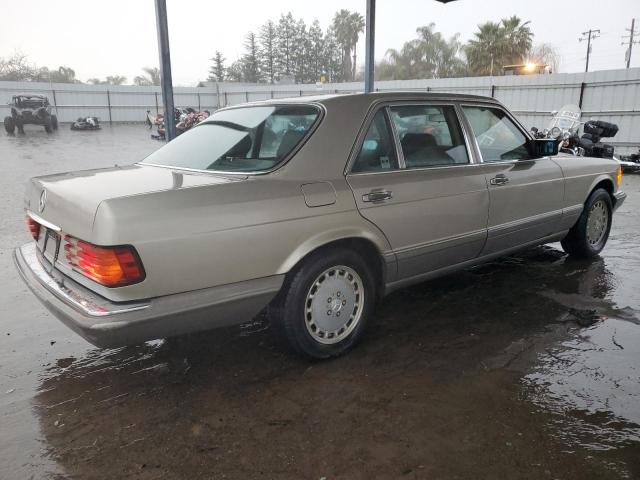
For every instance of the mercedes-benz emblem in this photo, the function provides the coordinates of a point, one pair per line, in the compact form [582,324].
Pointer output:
[43,201]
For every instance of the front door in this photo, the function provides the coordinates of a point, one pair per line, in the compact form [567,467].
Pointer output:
[413,177]
[526,195]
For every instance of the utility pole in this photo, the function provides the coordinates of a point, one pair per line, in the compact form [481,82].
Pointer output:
[165,69]
[592,34]
[631,40]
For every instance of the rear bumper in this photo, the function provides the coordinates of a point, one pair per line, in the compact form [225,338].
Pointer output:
[112,324]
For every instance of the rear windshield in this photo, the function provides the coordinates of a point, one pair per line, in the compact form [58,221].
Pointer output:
[247,139]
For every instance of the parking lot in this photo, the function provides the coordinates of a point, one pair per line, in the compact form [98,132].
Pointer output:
[527,367]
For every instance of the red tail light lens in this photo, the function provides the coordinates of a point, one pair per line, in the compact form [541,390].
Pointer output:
[109,266]
[33,226]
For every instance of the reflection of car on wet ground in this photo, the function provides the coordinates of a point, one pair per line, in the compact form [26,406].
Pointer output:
[315,207]
[30,110]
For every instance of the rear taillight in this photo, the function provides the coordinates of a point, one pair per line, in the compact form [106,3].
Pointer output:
[109,266]
[33,226]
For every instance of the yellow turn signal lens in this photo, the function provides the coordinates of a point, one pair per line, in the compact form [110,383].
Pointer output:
[619,176]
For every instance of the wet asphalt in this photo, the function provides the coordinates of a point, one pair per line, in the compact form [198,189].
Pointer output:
[527,367]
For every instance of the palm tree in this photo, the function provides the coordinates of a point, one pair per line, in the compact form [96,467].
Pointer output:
[152,77]
[428,56]
[498,44]
[485,49]
[347,27]
[116,79]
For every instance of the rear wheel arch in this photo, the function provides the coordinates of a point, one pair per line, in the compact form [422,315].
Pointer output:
[366,248]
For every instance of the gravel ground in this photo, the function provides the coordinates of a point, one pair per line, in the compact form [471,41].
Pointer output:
[528,367]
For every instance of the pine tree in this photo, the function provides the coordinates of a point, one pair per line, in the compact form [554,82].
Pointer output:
[316,51]
[286,44]
[268,51]
[250,63]
[217,70]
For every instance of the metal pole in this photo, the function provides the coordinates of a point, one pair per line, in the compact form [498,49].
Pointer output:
[199,108]
[588,51]
[370,40]
[165,69]
[632,32]
[109,106]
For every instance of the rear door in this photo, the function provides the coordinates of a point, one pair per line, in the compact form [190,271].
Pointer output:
[413,177]
[526,195]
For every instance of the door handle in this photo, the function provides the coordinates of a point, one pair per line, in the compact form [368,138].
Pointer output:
[499,179]
[377,196]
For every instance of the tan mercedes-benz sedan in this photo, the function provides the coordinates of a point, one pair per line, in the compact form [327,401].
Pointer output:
[315,207]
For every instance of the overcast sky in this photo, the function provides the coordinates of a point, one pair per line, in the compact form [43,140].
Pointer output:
[118,37]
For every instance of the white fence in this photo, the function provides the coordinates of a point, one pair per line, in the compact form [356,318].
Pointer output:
[611,95]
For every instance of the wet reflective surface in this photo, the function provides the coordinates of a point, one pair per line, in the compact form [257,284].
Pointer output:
[528,367]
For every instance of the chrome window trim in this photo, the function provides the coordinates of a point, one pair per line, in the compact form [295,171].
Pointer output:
[517,124]
[387,105]
[402,165]
[322,111]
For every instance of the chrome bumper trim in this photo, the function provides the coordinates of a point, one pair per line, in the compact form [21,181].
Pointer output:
[43,222]
[78,298]
[619,197]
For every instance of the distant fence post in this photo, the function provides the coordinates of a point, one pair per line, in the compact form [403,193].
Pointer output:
[271,93]
[226,99]
[583,85]
[199,102]
[55,102]
[493,91]
[157,111]
[246,96]
[109,106]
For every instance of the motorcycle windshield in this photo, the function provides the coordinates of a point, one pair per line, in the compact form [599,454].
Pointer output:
[567,118]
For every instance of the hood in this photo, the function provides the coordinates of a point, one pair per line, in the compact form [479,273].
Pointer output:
[72,199]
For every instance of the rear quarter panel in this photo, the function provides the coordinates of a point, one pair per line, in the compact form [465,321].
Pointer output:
[208,236]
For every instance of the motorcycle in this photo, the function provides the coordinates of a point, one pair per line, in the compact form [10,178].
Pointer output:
[185,118]
[86,123]
[564,127]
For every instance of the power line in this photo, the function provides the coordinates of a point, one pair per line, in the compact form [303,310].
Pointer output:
[631,40]
[590,35]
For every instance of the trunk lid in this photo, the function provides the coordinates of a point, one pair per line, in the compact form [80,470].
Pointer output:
[70,200]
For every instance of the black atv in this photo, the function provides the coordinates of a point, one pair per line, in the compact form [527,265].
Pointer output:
[30,109]
[86,123]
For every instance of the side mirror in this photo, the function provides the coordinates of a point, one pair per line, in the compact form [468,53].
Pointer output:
[543,147]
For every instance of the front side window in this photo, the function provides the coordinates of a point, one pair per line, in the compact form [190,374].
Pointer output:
[430,135]
[377,153]
[247,139]
[499,139]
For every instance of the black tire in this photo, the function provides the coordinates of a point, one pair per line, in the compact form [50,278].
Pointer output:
[9,124]
[578,242]
[54,122]
[291,310]
[47,125]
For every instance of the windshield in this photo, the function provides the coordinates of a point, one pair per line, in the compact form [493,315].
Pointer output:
[247,139]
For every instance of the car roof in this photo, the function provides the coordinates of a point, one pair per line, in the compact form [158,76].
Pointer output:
[378,97]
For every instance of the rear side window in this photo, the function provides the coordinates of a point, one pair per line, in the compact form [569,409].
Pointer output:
[377,152]
[430,135]
[499,139]
[246,139]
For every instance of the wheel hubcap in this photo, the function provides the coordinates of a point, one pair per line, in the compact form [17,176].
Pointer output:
[334,304]
[597,223]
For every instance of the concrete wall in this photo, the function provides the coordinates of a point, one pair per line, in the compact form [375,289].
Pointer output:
[611,95]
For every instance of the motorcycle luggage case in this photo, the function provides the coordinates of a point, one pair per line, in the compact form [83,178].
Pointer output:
[600,128]
[602,150]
